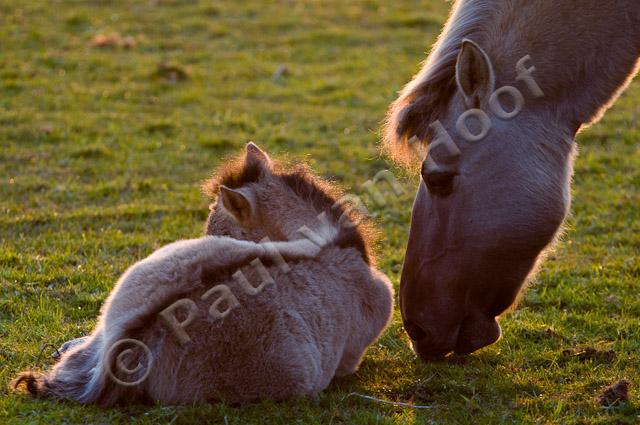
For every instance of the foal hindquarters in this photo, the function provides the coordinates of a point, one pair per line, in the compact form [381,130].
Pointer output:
[291,339]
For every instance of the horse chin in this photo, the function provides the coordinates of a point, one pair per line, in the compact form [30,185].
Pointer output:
[428,354]
[477,331]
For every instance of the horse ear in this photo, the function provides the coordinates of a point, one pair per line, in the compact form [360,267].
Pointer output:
[240,203]
[257,156]
[474,74]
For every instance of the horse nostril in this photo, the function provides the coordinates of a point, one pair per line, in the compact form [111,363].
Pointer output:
[414,331]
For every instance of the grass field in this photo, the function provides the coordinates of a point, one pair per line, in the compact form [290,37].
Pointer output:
[102,150]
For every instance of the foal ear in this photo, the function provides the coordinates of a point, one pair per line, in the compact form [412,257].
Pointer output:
[256,155]
[240,203]
[474,74]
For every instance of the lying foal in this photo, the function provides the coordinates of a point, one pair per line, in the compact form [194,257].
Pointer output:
[232,316]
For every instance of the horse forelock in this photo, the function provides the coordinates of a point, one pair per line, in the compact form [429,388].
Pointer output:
[426,97]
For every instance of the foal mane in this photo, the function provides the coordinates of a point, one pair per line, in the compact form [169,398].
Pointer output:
[427,95]
[320,194]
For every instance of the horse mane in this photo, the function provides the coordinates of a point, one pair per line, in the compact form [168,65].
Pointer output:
[427,95]
[319,193]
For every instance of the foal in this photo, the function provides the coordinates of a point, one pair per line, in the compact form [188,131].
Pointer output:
[318,304]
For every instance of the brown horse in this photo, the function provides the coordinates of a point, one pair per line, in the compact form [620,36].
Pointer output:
[500,99]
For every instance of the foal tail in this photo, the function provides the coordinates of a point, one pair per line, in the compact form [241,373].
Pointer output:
[90,374]
[67,379]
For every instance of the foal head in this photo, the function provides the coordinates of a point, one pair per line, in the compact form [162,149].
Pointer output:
[257,198]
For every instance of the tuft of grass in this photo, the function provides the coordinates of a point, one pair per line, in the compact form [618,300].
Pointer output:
[101,160]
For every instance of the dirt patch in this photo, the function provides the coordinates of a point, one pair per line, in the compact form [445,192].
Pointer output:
[171,71]
[591,354]
[114,40]
[418,392]
[551,333]
[614,394]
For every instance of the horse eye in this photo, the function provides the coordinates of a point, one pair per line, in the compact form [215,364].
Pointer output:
[440,183]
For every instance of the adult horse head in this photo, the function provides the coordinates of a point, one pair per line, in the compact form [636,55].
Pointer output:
[500,98]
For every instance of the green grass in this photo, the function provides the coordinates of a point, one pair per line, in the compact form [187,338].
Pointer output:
[102,154]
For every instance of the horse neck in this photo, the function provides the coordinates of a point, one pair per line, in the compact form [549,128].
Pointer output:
[585,52]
